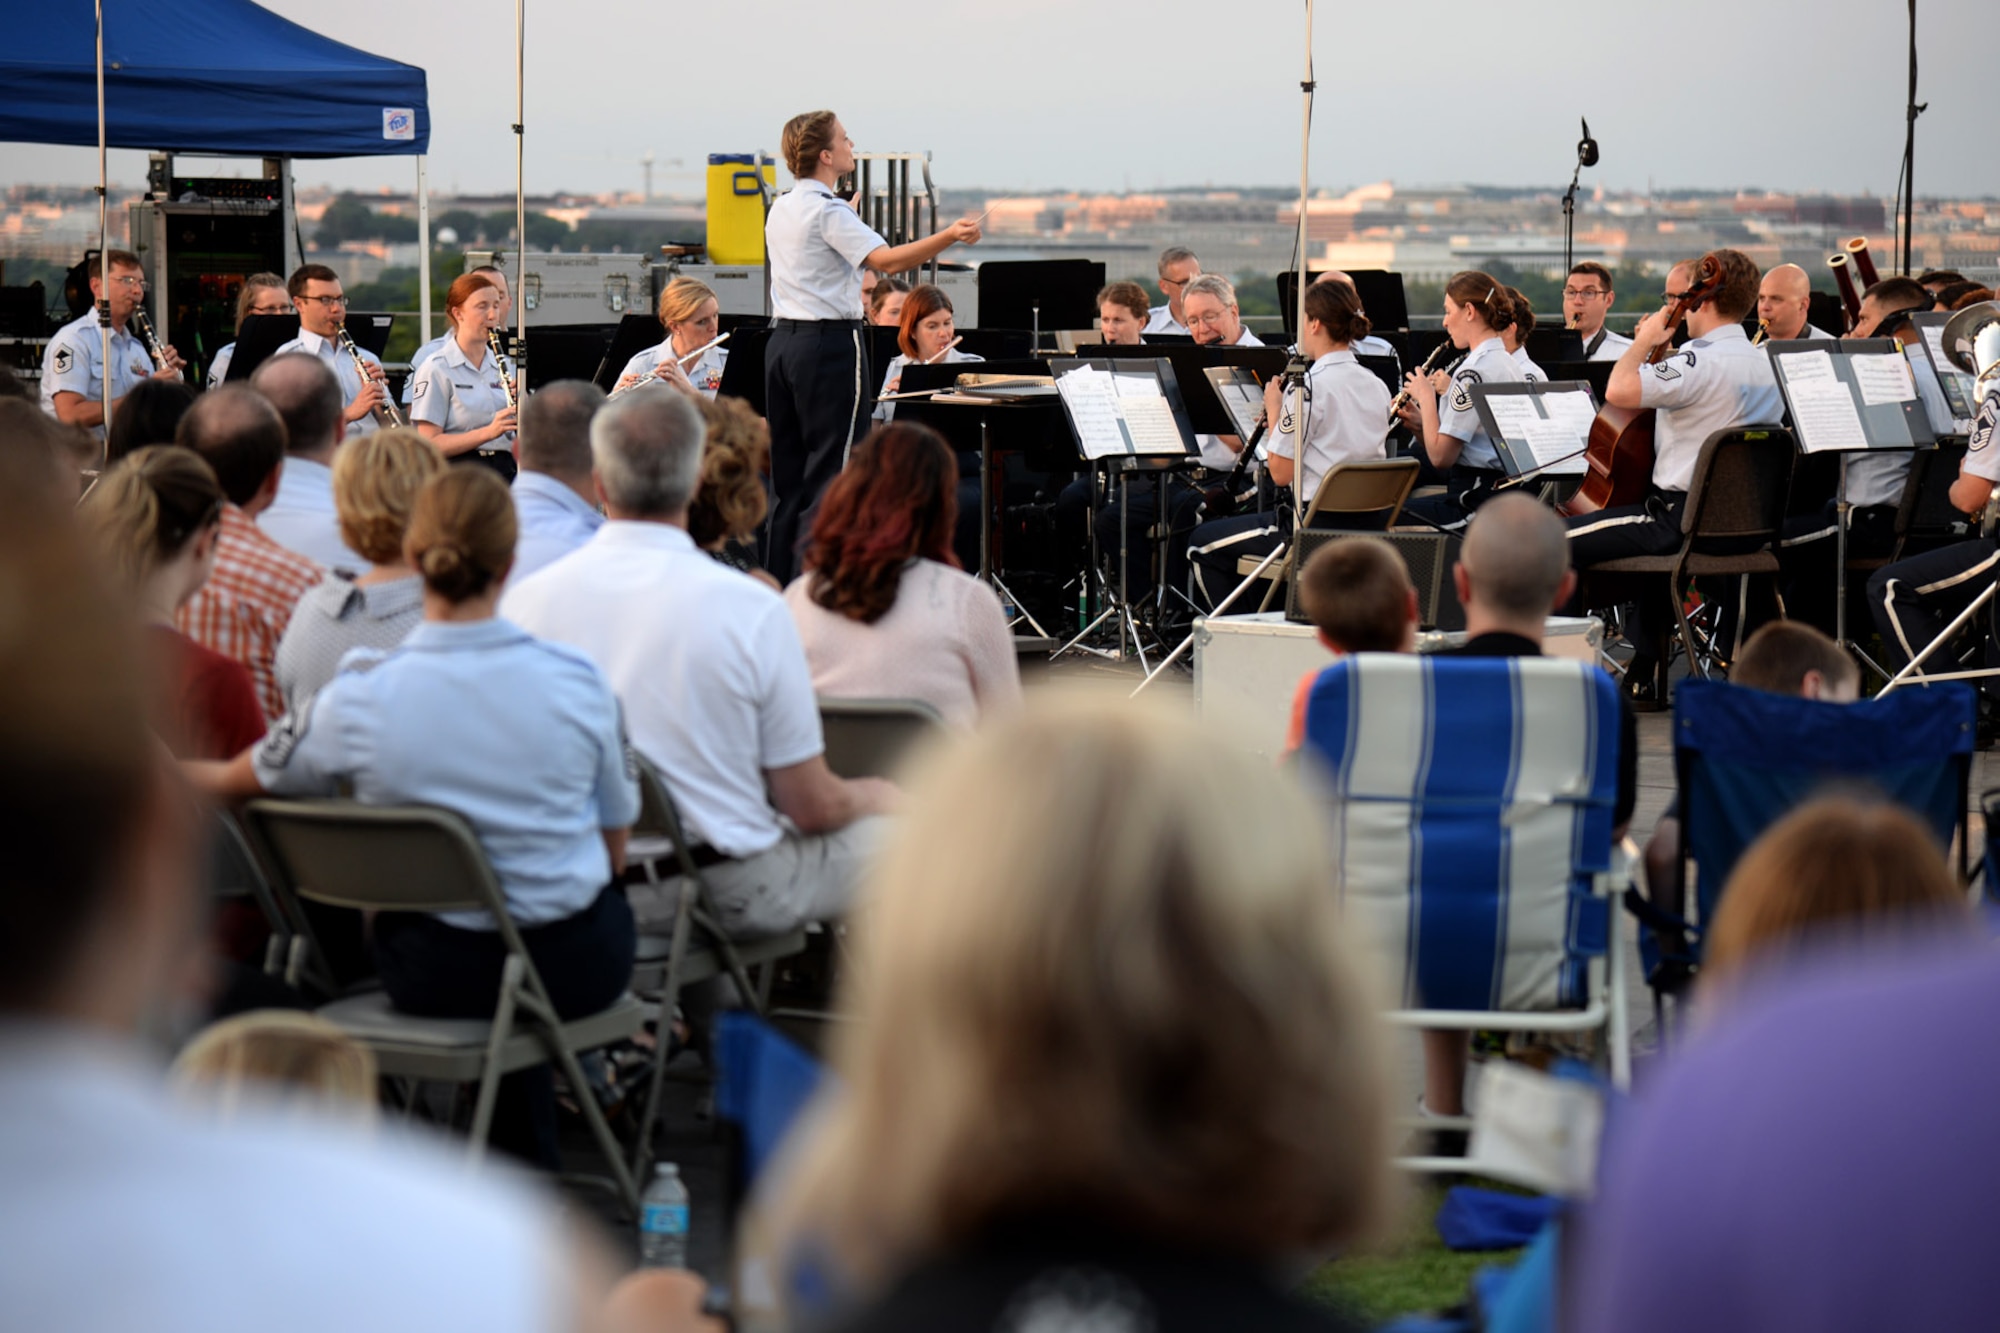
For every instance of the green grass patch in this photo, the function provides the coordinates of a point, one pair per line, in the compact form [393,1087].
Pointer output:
[1411,1274]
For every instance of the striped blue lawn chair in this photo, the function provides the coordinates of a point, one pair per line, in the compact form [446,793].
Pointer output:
[1472,821]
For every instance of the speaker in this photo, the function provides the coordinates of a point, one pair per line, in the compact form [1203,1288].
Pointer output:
[1429,557]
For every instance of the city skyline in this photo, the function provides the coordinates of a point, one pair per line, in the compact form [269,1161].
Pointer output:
[1750,95]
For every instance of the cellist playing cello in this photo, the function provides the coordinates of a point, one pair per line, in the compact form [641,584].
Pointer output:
[1716,381]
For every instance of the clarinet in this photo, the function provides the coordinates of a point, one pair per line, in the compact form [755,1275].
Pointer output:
[144,328]
[506,380]
[1401,400]
[386,414]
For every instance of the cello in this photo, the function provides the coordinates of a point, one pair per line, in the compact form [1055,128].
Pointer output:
[1620,454]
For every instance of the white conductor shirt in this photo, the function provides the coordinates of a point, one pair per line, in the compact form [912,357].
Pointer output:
[816,244]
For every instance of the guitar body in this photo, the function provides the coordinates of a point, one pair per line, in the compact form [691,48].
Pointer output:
[1620,460]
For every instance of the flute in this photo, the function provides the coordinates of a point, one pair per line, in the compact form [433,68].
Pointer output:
[654,373]
[932,358]
[386,412]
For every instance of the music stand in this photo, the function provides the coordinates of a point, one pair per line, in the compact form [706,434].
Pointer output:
[568,352]
[1547,347]
[1383,299]
[260,336]
[368,328]
[1954,385]
[1538,428]
[743,372]
[1845,396]
[997,344]
[1040,294]
[1384,368]
[1189,360]
[635,333]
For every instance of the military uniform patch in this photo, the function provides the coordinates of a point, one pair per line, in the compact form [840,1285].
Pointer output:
[63,361]
[423,387]
[1462,399]
[1982,427]
[1667,370]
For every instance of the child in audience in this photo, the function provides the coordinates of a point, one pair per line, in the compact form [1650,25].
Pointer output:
[269,1053]
[1358,595]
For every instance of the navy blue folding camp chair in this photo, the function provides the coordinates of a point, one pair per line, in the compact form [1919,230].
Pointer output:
[1746,757]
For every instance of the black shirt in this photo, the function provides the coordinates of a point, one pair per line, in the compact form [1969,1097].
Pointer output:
[1016,1283]
[1499,643]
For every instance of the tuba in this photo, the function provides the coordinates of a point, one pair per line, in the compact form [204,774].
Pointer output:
[1972,343]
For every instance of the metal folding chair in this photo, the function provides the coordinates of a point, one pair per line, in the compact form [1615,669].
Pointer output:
[870,738]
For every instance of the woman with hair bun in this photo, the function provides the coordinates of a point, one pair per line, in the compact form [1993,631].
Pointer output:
[538,769]
[1440,411]
[459,399]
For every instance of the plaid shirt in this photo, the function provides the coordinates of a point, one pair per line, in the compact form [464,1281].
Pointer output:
[242,610]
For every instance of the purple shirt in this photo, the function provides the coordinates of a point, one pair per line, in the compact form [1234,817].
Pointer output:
[1823,1159]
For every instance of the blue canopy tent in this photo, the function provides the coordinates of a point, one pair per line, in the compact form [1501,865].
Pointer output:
[223,76]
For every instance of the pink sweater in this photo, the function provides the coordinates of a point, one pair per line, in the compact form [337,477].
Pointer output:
[945,641]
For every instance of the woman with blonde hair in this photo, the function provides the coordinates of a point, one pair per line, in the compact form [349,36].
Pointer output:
[268,1054]
[691,313]
[730,502]
[1840,868]
[1109,1055]
[537,769]
[157,515]
[375,483]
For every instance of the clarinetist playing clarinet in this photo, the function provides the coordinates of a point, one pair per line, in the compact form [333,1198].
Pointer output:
[461,400]
[316,291]
[73,366]
[818,392]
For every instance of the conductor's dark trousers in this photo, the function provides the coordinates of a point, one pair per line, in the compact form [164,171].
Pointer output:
[818,398]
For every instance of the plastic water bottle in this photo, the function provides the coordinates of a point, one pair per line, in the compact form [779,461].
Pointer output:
[663,1220]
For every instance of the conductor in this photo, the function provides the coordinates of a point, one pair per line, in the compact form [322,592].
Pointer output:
[817,384]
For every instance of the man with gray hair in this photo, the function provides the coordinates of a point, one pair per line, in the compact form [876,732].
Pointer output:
[714,683]
[1178,266]
[301,516]
[555,500]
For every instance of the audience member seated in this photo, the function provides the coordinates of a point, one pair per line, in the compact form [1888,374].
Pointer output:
[147,415]
[250,597]
[48,450]
[1840,867]
[730,502]
[1122,313]
[538,769]
[271,1056]
[883,609]
[714,684]
[324,1231]
[885,301]
[926,337]
[376,479]
[1163,1004]
[1358,595]
[157,517]
[1344,417]
[554,500]
[302,515]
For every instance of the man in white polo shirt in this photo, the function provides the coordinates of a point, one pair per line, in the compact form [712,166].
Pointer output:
[715,687]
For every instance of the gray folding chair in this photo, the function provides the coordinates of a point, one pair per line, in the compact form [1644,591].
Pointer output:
[697,949]
[870,738]
[1365,495]
[234,872]
[427,859]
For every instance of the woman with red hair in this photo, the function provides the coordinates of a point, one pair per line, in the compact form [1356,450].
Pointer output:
[883,609]
[458,400]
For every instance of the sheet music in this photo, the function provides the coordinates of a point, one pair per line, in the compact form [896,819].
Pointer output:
[1808,367]
[1825,414]
[1245,403]
[1883,378]
[1513,413]
[1092,402]
[1955,383]
[1137,386]
[1555,442]
[1151,424]
[1931,394]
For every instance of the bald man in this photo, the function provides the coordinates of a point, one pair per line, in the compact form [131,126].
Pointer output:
[1782,301]
[1512,572]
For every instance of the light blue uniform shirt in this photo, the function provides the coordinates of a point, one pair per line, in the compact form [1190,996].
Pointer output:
[1530,372]
[218,369]
[1160,319]
[456,396]
[1488,363]
[302,516]
[816,245]
[73,363]
[417,360]
[336,359]
[887,411]
[554,520]
[538,768]
[705,374]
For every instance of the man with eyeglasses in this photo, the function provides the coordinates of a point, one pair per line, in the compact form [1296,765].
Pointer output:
[315,289]
[1587,299]
[1178,267]
[73,364]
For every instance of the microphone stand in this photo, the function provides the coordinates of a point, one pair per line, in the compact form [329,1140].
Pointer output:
[1586,156]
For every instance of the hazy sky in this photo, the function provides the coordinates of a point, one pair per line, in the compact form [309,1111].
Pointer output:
[1115,94]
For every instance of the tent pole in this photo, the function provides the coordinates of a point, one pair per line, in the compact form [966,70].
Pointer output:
[103,243]
[520,197]
[423,250]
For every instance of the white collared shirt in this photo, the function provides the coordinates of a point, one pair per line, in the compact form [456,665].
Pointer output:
[1714,383]
[336,359]
[705,374]
[1370,345]
[706,661]
[887,411]
[73,363]
[1214,453]
[261,1214]
[1160,319]
[816,245]
[302,517]
[1346,420]
[218,368]
[1531,372]
[456,395]
[1488,363]
[1610,346]
[554,520]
